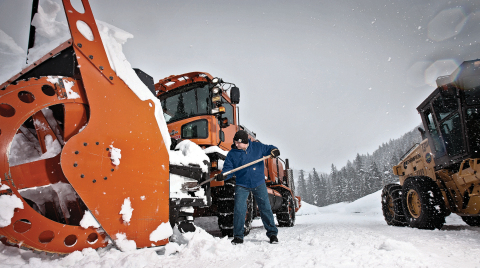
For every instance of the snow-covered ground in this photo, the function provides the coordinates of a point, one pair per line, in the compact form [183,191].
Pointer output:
[340,235]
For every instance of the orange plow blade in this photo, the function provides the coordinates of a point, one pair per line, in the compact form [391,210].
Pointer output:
[69,146]
[118,120]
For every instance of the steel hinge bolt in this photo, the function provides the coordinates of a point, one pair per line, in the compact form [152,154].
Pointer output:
[79,45]
[91,57]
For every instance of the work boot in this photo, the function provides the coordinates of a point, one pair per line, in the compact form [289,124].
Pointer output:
[273,239]
[237,240]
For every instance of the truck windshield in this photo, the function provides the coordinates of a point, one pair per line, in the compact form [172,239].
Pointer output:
[186,104]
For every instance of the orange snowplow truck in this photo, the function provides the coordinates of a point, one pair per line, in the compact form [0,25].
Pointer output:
[197,107]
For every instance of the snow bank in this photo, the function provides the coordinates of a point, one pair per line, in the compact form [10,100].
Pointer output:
[367,204]
[307,209]
[8,204]
[335,236]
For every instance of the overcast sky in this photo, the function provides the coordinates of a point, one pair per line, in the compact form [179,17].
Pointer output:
[321,80]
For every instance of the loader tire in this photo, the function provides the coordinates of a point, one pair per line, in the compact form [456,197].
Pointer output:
[286,217]
[472,220]
[392,205]
[423,203]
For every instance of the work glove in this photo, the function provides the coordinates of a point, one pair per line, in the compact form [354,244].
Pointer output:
[274,153]
[219,177]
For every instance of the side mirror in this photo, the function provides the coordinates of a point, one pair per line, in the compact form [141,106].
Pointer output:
[235,95]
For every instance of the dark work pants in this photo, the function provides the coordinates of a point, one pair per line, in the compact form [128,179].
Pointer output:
[261,196]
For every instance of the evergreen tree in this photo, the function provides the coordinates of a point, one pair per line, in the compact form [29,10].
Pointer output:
[309,197]
[375,178]
[317,184]
[352,183]
[359,177]
[302,185]
[335,185]
[322,191]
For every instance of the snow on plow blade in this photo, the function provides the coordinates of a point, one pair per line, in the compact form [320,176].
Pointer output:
[101,150]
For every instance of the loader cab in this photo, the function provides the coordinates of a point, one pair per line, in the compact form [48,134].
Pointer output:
[451,117]
[197,107]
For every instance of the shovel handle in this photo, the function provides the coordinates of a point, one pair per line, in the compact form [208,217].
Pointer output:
[237,169]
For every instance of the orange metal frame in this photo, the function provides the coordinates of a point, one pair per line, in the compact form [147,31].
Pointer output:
[27,227]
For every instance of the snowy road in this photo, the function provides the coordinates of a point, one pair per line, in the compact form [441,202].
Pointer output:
[341,235]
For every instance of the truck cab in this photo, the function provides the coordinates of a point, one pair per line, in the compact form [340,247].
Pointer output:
[196,107]
[451,116]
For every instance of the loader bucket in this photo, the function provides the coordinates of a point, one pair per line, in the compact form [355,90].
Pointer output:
[94,114]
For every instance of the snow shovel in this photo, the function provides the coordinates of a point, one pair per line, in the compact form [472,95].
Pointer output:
[227,173]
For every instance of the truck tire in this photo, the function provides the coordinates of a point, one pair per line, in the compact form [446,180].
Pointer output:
[226,205]
[392,205]
[472,220]
[286,217]
[423,203]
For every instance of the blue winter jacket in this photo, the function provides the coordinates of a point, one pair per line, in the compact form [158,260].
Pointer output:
[252,176]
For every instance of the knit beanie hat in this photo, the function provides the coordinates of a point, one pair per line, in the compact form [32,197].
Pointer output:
[241,136]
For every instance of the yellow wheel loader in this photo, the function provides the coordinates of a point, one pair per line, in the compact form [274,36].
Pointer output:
[441,175]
